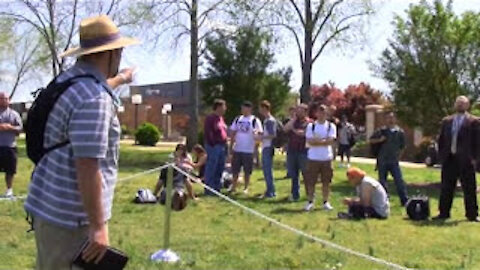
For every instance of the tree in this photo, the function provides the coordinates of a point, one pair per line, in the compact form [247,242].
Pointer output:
[433,57]
[18,58]
[237,69]
[358,96]
[192,18]
[313,24]
[56,22]
[350,102]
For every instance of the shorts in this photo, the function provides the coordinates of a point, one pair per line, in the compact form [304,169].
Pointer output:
[344,149]
[315,168]
[8,160]
[240,160]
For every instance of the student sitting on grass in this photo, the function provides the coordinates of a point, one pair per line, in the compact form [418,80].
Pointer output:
[180,181]
[372,200]
[200,161]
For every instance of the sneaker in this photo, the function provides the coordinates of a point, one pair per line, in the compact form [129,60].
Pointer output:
[340,165]
[9,193]
[245,191]
[327,206]
[348,165]
[309,207]
[292,199]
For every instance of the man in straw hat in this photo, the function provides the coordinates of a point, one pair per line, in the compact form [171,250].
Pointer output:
[71,191]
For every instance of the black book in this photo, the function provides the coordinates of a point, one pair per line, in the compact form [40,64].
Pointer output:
[113,259]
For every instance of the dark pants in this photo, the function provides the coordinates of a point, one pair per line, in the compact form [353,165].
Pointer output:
[394,169]
[296,162]
[267,166]
[8,160]
[452,170]
[215,165]
[360,212]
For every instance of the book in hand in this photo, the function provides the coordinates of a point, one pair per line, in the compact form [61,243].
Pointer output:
[113,259]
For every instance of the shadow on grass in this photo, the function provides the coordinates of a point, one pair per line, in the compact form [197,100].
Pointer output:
[298,210]
[435,223]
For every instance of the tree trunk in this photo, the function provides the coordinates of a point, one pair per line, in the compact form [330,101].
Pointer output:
[192,135]
[307,64]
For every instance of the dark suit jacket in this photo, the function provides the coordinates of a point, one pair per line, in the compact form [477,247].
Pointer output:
[468,141]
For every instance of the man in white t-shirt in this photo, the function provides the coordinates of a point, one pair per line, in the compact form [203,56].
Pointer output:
[320,135]
[246,130]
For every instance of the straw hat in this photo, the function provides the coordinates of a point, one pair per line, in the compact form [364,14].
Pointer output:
[99,34]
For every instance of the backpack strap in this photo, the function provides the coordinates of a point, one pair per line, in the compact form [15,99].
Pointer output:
[63,86]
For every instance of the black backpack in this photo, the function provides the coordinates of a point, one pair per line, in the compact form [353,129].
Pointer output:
[281,136]
[45,99]
[418,208]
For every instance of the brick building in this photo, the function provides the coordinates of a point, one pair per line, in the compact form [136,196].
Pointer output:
[154,96]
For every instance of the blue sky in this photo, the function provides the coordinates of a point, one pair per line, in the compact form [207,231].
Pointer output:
[343,67]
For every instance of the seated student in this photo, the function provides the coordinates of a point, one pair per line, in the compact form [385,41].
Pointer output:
[180,181]
[200,161]
[372,200]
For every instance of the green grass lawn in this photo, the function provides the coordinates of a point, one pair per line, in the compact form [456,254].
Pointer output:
[212,234]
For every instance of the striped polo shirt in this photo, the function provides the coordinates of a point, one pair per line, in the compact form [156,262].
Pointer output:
[85,114]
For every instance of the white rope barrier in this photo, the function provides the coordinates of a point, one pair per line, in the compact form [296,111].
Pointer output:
[23,197]
[144,173]
[291,229]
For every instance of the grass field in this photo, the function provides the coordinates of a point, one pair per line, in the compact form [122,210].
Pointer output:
[212,234]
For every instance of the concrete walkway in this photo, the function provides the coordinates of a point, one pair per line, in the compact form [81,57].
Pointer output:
[372,161]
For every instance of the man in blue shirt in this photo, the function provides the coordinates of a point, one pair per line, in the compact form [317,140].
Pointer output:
[71,192]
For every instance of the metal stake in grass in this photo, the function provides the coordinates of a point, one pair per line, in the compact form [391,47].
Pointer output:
[165,254]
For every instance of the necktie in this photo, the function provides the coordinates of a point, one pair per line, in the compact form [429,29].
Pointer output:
[455,128]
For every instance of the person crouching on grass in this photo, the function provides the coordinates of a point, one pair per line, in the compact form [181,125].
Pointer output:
[372,200]
[180,181]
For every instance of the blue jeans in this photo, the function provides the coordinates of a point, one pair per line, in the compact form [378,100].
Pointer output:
[267,166]
[296,161]
[394,169]
[215,165]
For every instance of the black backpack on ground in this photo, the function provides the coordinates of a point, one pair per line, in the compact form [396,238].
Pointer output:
[418,208]
[45,99]
[281,137]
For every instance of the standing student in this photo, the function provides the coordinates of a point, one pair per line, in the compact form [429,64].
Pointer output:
[246,130]
[72,188]
[459,152]
[268,149]
[216,145]
[292,110]
[391,150]
[346,133]
[296,149]
[320,136]
[10,127]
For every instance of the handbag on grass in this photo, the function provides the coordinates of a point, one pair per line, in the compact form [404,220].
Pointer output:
[113,259]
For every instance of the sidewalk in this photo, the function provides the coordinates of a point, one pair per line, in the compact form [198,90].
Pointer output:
[372,161]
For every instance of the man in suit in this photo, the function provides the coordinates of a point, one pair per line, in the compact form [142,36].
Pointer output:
[458,151]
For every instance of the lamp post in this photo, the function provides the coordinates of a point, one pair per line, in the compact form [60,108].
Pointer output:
[136,100]
[166,109]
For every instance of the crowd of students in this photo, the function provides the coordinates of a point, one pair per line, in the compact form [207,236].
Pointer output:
[310,146]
